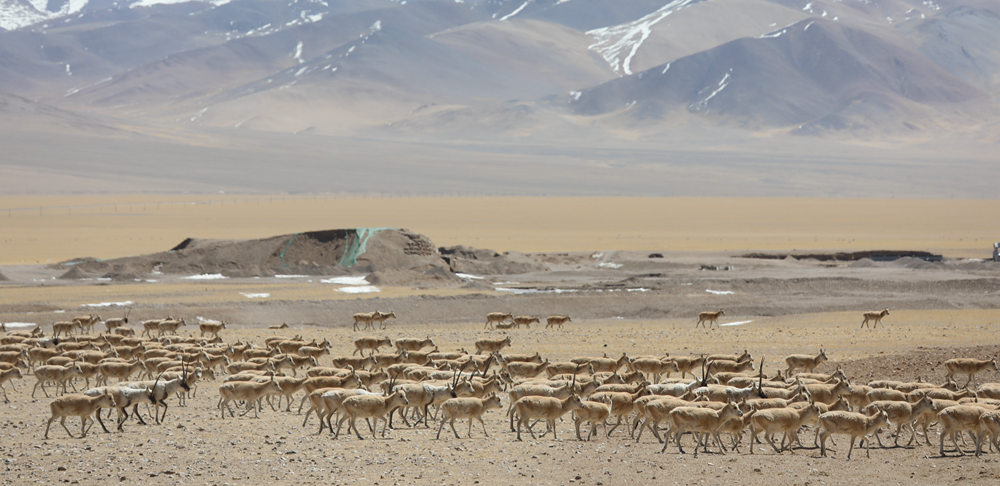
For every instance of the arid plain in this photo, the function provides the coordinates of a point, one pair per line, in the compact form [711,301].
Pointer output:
[597,269]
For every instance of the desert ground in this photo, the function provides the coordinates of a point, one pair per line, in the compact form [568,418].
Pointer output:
[597,269]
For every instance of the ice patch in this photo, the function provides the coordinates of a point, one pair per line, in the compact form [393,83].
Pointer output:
[207,321]
[261,295]
[109,304]
[808,25]
[703,104]
[291,276]
[206,276]
[618,44]
[515,12]
[737,323]
[665,69]
[640,289]
[720,292]
[575,95]
[466,276]
[609,265]
[360,280]
[535,291]
[298,53]
[19,325]
[359,289]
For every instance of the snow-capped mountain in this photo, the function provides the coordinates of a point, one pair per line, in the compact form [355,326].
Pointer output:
[505,70]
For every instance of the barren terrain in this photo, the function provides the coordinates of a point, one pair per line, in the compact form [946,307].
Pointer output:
[598,271]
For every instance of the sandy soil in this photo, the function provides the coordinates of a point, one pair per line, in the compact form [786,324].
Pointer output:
[45,229]
[938,311]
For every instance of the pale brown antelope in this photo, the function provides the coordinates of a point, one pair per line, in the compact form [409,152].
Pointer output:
[703,422]
[496,318]
[370,344]
[87,322]
[874,318]
[211,328]
[149,326]
[77,405]
[9,376]
[492,345]
[413,344]
[467,408]
[957,419]
[64,328]
[116,322]
[381,317]
[710,317]
[364,318]
[804,362]
[543,408]
[968,366]
[853,424]
[525,321]
[369,406]
[556,321]
[250,392]
[170,326]
[62,376]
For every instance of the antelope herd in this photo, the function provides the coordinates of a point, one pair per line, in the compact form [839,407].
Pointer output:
[412,379]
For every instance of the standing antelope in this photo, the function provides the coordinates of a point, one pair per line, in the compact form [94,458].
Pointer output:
[212,328]
[804,362]
[87,322]
[381,317]
[364,318]
[553,321]
[466,407]
[77,405]
[710,318]
[496,318]
[968,366]
[874,317]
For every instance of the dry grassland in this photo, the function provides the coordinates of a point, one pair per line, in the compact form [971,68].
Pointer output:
[44,229]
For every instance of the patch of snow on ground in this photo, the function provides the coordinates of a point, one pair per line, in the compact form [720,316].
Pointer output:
[609,265]
[19,325]
[466,276]
[575,95]
[359,289]
[250,295]
[291,276]
[360,280]
[207,321]
[110,304]
[515,12]
[720,292]
[618,44]
[703,104]
[297,55]
[535,291]
[206,276]
[640,289]
[737,323]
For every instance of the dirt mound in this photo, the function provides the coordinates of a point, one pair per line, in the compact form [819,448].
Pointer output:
[392,256]
[2,277]
[463,259]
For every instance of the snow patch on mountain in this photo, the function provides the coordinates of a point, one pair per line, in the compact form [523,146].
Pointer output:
[618,44]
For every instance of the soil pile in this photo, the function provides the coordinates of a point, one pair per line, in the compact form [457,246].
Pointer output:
[463,259]
[388,256]
[2,277]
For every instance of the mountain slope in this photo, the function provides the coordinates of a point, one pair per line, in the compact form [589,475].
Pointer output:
[805,72]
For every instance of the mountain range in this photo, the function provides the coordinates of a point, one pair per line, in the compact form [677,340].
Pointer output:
[530,77]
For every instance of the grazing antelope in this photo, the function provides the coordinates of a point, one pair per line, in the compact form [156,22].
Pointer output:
[496,318]
[874,317]
[710,317]
[553,321]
